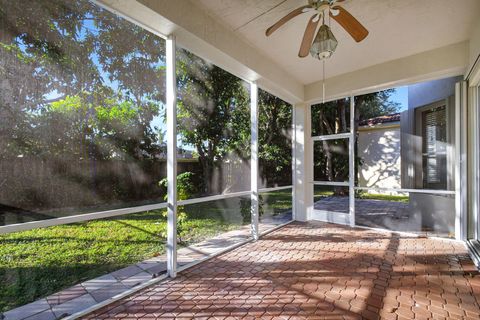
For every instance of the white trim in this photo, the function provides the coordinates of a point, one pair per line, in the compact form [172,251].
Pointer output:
[428,191]
[213,198]
[274,189]
[130,19]
[472,251]
[351,163]
[254,159]
[24,226]
[473,73]
[331,183]
[464,162]
[171,157]
[476,162]
[439,63]
[460,172]
[309,160]
[294,161]
[345,135]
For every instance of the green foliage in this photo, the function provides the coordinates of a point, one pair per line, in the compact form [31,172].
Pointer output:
[70,85]
[381,197]
[331,158]
[375,104]
[213,113]
[246,208]
[185,190]
[275,139]
[276,202]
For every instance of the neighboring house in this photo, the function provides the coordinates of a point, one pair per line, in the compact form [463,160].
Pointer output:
[379,144]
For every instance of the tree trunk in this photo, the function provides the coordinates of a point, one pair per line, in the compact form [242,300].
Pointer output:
[343,116]
[328,157]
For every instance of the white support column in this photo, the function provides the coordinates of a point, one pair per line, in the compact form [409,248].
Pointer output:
[303,163]
[475,133]
[254,158]
[460,161]
[171,158]
[351,162]
[294,195]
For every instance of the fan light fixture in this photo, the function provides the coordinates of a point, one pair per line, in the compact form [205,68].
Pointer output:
[324,44]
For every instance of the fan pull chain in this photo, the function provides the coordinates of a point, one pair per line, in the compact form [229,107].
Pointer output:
[323,82]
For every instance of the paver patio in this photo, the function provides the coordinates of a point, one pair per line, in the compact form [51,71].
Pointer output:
[318,270]
[91,292]
[384,214]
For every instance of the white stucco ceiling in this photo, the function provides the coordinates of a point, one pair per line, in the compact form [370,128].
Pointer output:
[398,28]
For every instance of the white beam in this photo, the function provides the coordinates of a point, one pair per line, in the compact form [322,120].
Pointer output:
[254,158]
[434,64]
[171,158]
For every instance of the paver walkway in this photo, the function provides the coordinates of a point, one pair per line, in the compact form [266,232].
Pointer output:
[390,215]
[318,270]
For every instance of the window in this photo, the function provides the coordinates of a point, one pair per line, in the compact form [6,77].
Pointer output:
[434,153]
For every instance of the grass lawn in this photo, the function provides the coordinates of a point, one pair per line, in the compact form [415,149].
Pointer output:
[325,191]
[384,197]
[40,262]
[276,202]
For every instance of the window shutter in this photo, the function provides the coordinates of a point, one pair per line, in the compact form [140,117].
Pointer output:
[434,153]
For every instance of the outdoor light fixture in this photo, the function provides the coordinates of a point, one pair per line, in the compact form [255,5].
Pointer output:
[324,44]
[323,47]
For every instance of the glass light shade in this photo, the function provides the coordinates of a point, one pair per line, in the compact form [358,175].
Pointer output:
[324,44]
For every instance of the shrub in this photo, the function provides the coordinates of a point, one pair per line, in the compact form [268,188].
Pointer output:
[185,190]
[245,208]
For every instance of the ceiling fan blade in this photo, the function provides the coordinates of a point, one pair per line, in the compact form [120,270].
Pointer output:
[350,24]
[308,36]
[285,19]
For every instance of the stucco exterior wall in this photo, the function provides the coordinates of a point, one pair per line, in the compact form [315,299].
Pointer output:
[379,151]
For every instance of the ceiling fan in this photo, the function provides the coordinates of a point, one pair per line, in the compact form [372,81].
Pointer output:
[320,8]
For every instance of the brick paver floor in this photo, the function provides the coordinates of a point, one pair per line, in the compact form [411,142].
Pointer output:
[317,270]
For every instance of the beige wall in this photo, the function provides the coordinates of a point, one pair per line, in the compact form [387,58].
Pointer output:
[379,150]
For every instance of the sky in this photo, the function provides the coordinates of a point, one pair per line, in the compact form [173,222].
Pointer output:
[401,96]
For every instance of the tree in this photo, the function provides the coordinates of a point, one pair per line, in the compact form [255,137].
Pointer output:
[213,114]
[331,157]
[275,140]
[54,49]
[79,86]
